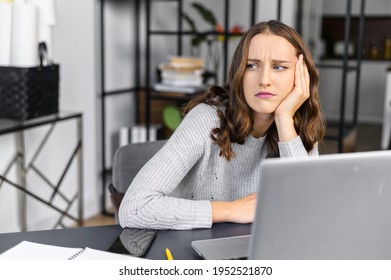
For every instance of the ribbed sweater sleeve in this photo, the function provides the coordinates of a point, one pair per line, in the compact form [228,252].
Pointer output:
[295,148]
[147,202]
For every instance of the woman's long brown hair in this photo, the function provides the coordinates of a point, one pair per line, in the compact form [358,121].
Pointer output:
[236,121]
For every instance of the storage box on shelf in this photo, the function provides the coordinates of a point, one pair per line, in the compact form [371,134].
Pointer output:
[28,92]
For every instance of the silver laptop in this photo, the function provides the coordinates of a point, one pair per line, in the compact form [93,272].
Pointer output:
[330,207]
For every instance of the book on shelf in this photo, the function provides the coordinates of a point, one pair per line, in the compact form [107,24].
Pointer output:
[182,81]
[177,69]
[177,88]
[186,61]
[182,71]
[27,250]
[137,133]
[174,75]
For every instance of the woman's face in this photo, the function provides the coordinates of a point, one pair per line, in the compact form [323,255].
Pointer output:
[270,73]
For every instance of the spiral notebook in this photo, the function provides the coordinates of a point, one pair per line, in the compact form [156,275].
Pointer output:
[27,250]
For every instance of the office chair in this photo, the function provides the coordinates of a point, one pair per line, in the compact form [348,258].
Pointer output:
[127,162]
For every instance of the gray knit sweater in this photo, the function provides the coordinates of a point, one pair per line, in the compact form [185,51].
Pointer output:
[174,189]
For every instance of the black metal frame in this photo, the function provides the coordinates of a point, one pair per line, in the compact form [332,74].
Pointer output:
[105,93]
[8,126]
[345,128]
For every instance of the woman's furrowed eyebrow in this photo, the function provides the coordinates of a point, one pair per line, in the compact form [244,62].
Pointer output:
[278,61]
[253,60]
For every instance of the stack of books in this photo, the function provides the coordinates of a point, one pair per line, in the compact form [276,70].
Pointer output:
[182,71]
[181,74]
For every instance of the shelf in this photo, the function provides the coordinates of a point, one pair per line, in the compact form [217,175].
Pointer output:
[10,126]
[377,29]
[337,66]
[333,133]
[346,139]
[171,96]
[120,91]
[178,33]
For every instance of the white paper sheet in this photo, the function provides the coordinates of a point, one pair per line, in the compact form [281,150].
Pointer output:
[27,250]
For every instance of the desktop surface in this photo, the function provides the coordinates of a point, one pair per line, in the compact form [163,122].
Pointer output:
[179,241]
[99,237]
[102,237]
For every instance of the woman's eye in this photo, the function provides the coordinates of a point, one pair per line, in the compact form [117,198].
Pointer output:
[278,67]
[251,66]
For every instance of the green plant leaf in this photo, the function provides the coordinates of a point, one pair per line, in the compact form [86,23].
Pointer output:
[198,39]
[189,21]
[205,13]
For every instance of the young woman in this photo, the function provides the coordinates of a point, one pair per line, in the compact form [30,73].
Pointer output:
[208,171]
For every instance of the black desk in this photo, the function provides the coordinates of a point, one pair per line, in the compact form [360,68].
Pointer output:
[103,236]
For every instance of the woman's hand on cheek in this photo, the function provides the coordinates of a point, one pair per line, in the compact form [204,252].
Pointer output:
[299,94]
[283,115]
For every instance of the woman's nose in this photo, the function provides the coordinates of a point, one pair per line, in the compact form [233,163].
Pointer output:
[265,77]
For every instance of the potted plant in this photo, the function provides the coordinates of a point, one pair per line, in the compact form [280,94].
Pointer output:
[210,38]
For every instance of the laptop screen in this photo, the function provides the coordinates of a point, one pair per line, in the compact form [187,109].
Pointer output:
[329,207]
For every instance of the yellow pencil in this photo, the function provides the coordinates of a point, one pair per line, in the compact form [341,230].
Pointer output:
[169,255]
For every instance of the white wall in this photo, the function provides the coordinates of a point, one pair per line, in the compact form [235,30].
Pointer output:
[268,10]
[75,43]
[74,50]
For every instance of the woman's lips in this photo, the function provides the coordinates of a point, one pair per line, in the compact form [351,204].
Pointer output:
[264,94]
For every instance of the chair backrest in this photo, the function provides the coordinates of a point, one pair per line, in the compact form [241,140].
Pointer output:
[127,162]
